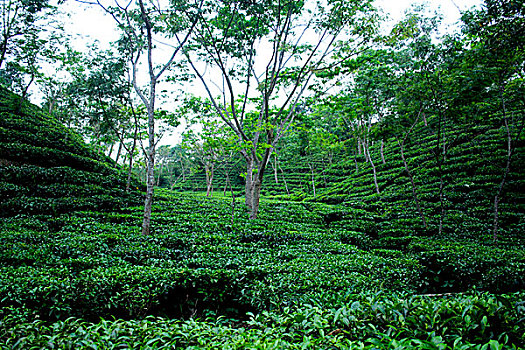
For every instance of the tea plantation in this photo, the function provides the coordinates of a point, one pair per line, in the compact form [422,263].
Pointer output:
[45,168]
[284,281]
[344,270]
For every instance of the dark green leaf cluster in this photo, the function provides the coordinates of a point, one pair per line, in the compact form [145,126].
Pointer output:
[46,168]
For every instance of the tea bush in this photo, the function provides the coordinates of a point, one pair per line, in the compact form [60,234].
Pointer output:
[366,321]
[47,168]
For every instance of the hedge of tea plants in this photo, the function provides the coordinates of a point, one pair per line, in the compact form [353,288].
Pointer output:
[370,321]
[47,168]
[471,172]
[302,275]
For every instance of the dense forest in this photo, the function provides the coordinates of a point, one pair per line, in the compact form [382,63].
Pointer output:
[335,185]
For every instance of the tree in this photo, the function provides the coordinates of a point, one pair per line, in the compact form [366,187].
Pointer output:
[267,53]
[319,138]
[389,93]
[96,97]
[139,27]
[69,65]
[364,97]
[20,19]
[416,71]
[496,34]
[207,138]
[412,81]
[179,165]
[30,39]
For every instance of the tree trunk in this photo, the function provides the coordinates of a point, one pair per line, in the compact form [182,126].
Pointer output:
[366,152]
[440,158]
[130,169]
[366,149]
[249,184]
[183,171]
[382,151]
[255,197]
[209,179]
[500,187]
[440,153]
[110,152]
[275,170]
[131,155]
[3,48]
[233,198]
[313,178]
[150,182]
[150,179]
[414,191]
[284,180]
[119,151]
[52,101]
[23,95]
[507,169]
[226,184]
[441,200]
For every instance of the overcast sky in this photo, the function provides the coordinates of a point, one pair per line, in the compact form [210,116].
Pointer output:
[89,23]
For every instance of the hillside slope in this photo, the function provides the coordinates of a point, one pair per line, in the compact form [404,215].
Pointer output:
[472,169]
[473,161]
[47,168]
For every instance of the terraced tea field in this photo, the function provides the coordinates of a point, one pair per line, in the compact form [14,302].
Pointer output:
[290,279]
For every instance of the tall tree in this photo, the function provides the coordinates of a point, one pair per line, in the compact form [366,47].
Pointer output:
[31,38]
[267,53]
[207,138]
[19,19]
[416,93]
[496,35]
[95,97]
[140,25]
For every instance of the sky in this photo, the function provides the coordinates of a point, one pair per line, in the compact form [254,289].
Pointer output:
[91,23]
[449,8]
[88,23]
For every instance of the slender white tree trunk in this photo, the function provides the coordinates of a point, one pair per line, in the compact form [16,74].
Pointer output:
[506,171]
[255,197]
[412,182]
[382,151]
[313,178]
[284,180]
[110,152]
[275,170]
[150,178]
[367,155]
[119,152]
[249,184]
[209,179]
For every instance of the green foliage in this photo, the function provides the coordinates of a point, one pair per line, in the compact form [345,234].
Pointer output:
[360,270]
[46,168]
[369,321]
[302,269]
